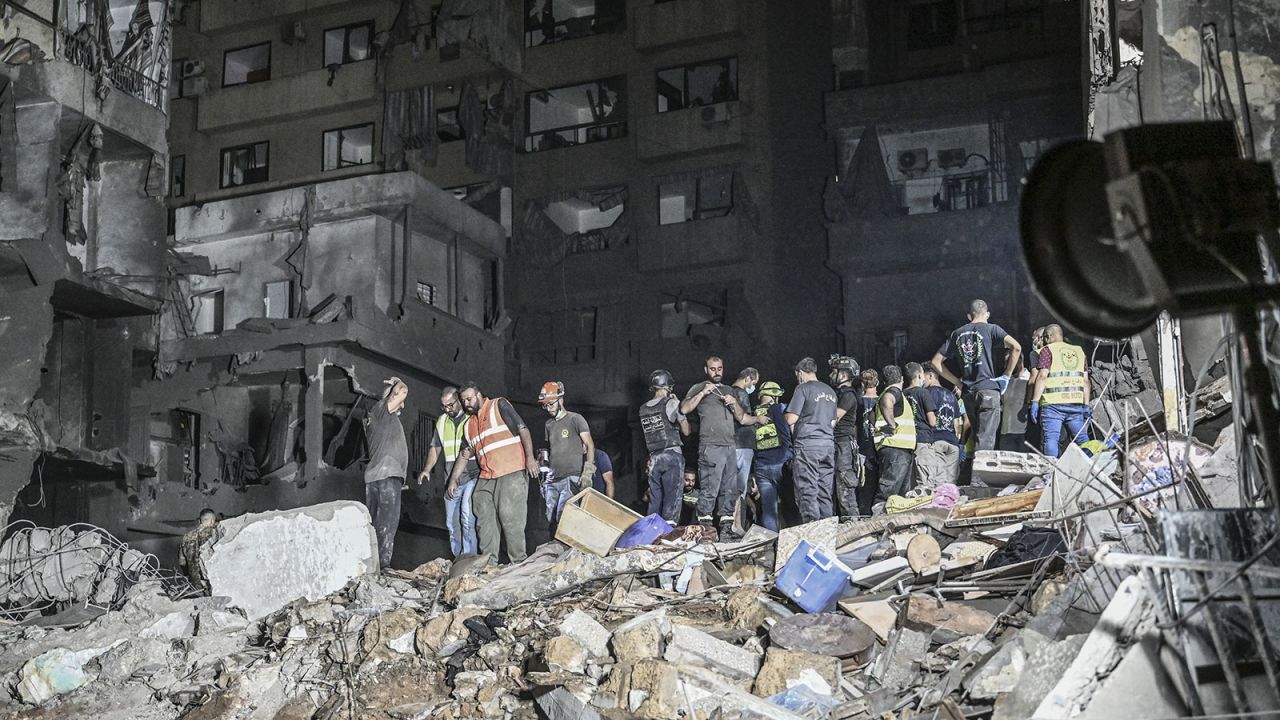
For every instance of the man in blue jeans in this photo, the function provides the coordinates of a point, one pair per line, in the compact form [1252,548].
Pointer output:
[663,427]
[1061,397]
[447,442]
[773,450]
[572,452]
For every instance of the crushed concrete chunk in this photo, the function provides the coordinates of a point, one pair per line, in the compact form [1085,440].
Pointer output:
[902,667]
[53,673]
[783,668]
[1002,671]
[564,653]
[928,614]
[695,647]
[641,637]
[264,561]
[591,635]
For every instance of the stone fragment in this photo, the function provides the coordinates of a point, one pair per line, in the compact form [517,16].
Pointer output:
[902,668]
[560,704]
[170,626]
[783,666]
[879,615]
[264,561]
[52,673]
[564,653]
[587,632]
[444,634]
[390,633]
[695,647]
[213,621]
[1049,661]
[1002,670]
[653,691]
[641,637]
[928,614]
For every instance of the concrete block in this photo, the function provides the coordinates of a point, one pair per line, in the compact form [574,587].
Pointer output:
[587,632]
[564,653]
[171,626]
[927,614]
[641,637]
[782,667]
[444,634]
[1002,671]
[53,673]
[694,647]
[999,468]
[264,561]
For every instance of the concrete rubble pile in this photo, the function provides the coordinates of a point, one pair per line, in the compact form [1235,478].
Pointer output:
[69,564]
[1039,596]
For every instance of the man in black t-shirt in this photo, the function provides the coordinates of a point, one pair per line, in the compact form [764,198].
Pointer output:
[938,456]
[866,423]
[978,348]
[849,476]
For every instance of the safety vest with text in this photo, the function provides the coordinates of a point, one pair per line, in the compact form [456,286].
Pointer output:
[1064,382]
[904,436]
[498,450]
[767,434]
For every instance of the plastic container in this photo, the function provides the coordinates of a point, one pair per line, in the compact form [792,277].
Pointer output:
[644,531]
[813,578]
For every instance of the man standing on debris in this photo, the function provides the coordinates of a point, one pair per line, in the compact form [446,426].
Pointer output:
[662,424]
[976,347]
[744,436]
[388,465]
[895,425]
[1031,434]
[1061,398]
[866,421]
[849,475]
[499,440]
[572,451]
[189,552]
[936,460]
[718,490]
[947,425]
[773,450]
[447,440]
[812,417]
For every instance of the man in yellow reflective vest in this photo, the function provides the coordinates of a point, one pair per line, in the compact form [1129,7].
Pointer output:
[1061,398]
[446,442]
[895,437]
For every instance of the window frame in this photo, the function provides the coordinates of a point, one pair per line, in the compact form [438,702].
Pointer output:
[737,85]
[730,171]
[174,161]
[175,80]
[372,139]
[623,123]
[346,42]
[228,51]
[457,110]
[222,164]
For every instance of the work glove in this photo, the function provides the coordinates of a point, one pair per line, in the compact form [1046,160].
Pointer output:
[1024,415]
[1003,382]
[1034,412]
[588,474]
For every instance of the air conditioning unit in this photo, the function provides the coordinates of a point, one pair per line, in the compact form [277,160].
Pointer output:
[192,68]
[952,157]
[720,112]
[192,87]
[292,32]
[913,161]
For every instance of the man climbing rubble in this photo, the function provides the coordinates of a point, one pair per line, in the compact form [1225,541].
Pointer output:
[663,424]
[388,465]
[811,414]
[572,451]
[189,552]
[459,518]
[977,348]
[718,489]
[499,440]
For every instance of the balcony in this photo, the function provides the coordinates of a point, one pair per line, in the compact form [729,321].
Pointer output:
[308,93]
[671,23]
[679,132]
[216,16]
[78,51]
[689,244]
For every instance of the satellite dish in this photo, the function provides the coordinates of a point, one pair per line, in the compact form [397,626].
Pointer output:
[1076,267]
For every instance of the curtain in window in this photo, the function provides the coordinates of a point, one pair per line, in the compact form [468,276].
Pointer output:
[409,129]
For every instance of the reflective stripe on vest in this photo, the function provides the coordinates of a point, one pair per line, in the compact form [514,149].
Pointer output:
[450,435]
[766,435]
[498,451]
[905,436]
[1064,382]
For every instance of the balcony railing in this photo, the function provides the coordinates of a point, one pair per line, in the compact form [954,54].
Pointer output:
[574,135]
[80,51]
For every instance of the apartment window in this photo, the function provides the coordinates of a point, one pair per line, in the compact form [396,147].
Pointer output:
[589,220]
[693,314]
[932,24]
[245,164]
[704,83]
[207,313]
[347,44]
[698,197]
[560,338]
[448,128]
[348,147]
[577,114]
[246,65]
[178,176]
[551,21]
[426,292]
[277,299]
[963,192]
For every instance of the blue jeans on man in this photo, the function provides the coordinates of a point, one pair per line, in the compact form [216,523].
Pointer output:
[1055,418]
[768,478]
[460,519]
[744,457]
[666,484]
[556,493]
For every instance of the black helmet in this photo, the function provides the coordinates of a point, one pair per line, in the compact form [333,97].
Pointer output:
[843,362]
[660,379]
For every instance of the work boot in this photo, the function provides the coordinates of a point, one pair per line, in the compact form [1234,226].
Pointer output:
[726,531]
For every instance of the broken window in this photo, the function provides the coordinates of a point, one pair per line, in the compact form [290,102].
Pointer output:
[347,44]
[426,292]
[559,338]
[932,24]
[577,114]
[589,220]
[348,147]
[175,445]
[244,164]
[277,299]
[704,83]
[964,192]
[694,313]
[246,65]
[178,176]
[695,196]
[207,312]
[448,128]
[551,21]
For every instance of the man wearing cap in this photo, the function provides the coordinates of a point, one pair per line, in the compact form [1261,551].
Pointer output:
[571,449]
[388,465]
[773,450]
[663,424]
[849,476]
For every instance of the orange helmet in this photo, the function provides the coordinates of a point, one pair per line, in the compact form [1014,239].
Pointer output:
[551,390]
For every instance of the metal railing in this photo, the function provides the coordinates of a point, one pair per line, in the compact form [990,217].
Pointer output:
[132,81]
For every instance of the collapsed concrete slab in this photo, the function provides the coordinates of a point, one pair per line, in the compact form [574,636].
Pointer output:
[264,561]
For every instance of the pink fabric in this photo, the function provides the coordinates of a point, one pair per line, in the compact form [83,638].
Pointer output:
[945,496]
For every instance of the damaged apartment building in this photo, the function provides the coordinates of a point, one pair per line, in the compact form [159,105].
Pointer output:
[226,361]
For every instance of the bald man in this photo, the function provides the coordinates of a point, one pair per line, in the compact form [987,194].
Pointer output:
[1061,397]
[977,348]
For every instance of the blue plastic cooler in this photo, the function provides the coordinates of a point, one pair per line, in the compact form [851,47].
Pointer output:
[813,577]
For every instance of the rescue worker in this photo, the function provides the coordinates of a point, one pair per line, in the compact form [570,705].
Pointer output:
[189,552]
[843,376]
[1061,398]
[718,490]
[977,347]
[662,425]
[867,440]
[459,518]
[947,421]
[937,456]
[895,426]
[812,415]
[773,450]
[744,435]
[571,452]
[498,439]
[1031,435]
[388,466]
